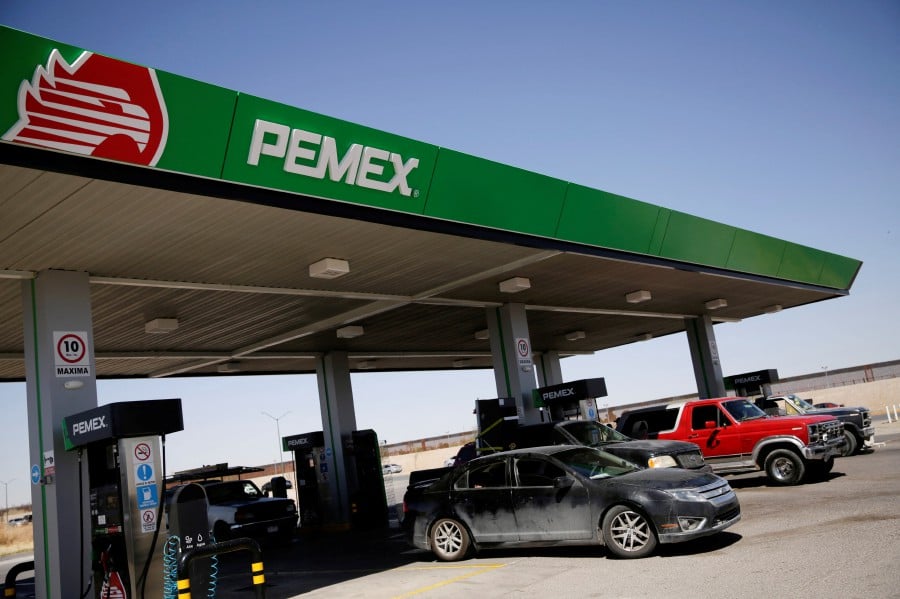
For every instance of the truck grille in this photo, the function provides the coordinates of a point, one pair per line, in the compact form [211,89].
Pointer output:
[831,429]
[866,418]
[690,460]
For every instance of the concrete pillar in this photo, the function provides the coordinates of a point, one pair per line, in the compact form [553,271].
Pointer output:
[338,421]
[549,370]
[705,357]
[60,381]
[513,365]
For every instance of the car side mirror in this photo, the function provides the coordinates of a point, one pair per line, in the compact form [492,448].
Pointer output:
[563,482]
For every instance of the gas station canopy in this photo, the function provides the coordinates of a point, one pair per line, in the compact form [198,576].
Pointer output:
[224,233]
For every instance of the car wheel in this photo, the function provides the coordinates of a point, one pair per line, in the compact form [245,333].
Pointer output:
[850,445]
[784,467]
[821,468]
[449,540]
[628,533]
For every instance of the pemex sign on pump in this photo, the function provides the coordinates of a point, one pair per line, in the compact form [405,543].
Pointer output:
[67,99]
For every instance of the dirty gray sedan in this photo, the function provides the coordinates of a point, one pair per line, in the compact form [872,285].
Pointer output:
[563,493]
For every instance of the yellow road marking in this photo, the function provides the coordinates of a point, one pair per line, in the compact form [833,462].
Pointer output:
[477,570]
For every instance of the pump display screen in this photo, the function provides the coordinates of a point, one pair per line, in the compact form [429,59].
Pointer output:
[106,509]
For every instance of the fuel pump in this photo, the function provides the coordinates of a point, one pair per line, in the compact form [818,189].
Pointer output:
[312,469]
[125,473]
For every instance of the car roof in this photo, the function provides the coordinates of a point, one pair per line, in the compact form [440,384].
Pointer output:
[544,450]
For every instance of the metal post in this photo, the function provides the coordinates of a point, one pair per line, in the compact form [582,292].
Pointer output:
[6,500]
[278,459]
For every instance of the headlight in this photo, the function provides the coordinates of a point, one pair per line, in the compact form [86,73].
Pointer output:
[686,494]
[662,461]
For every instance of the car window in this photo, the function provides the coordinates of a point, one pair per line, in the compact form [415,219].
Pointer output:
[483,476]
[704,414]
[532,472]
[741,409]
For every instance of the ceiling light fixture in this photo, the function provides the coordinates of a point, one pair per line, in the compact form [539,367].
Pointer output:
[575,335]
[229,367]
[349,332]
[366,365]
[461,363]
[772,309]
[483,334]
[515,285]
[645,337]
[636,297]
[715,304]
[160,325]
[329,268]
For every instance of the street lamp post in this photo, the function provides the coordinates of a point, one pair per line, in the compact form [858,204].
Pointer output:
[6,499]
[278,438]
[827,383]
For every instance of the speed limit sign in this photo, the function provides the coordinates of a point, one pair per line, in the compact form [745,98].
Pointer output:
[71,353]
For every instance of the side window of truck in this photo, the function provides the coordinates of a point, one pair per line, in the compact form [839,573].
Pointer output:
[704,414]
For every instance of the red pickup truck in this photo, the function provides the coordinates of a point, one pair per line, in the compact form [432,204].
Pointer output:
[736,436]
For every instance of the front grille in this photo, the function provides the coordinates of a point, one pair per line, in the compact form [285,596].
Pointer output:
[690,460]
[727,516]
[832,429]
[714,490]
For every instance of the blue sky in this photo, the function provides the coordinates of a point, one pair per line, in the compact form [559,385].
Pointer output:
[778,117]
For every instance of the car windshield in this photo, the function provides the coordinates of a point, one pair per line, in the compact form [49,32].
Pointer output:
[593,434]
[802,404]
[237,490]
[594,463]
[741,410]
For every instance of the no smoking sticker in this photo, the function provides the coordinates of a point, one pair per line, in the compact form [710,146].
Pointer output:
[142,452]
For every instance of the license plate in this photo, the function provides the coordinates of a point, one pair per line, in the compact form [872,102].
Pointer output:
[272,529]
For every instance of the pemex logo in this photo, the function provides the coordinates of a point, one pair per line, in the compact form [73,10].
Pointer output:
[96,106]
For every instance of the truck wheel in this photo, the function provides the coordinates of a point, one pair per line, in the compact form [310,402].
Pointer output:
[820,468]
[850,444]
[449,540]
[784,467]
[627,533]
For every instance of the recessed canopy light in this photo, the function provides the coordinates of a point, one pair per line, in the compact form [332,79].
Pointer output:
[575,335]
[349,332]
[636,297]
[161,325]
[772,309]
[366,364]
[461,363]
[329,268]
[229,367]
[515,285]
[645,336]
[715,304]
[482,334]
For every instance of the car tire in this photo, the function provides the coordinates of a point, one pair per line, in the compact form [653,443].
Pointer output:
[785,468]
[850,444]
[820,468]
[628,533]
[450,540]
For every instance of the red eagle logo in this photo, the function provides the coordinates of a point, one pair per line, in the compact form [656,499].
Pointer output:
[97,106]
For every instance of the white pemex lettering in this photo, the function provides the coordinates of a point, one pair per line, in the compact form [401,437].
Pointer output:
[314,155]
